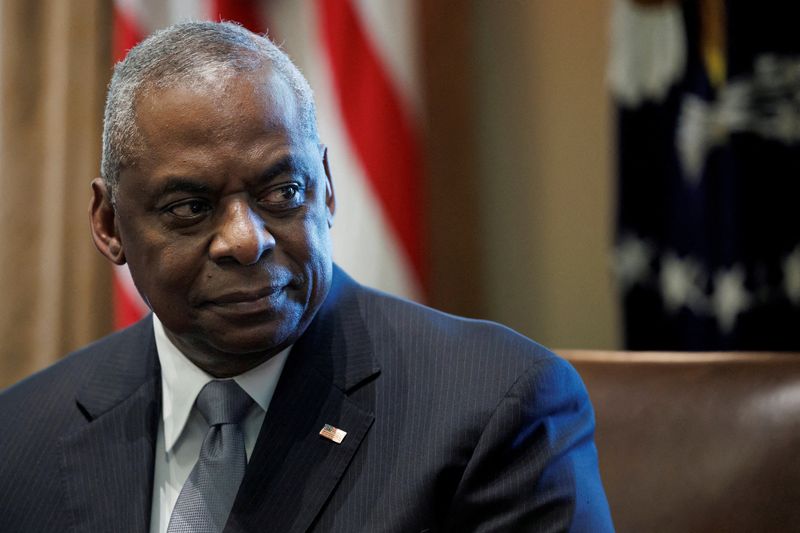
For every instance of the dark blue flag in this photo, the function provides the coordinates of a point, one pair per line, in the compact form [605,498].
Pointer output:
[708,241]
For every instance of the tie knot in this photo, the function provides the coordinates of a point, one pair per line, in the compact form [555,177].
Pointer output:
[223,402]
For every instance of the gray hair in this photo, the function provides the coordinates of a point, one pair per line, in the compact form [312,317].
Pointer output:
[178,55]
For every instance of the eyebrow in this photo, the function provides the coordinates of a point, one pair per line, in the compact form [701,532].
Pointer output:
[183,185]
[286,163]
[188,185]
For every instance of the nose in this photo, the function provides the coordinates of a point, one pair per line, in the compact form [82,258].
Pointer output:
[241,234]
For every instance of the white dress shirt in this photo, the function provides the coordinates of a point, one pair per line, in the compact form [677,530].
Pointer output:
[182,428]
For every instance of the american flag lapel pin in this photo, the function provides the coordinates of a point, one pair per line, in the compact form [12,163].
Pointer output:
[332,433]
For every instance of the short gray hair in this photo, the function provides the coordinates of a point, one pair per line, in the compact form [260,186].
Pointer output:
[178,55]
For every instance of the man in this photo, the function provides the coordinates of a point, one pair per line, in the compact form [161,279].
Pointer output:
[354,410]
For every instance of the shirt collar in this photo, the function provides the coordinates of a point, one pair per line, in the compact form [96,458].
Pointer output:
[182,380]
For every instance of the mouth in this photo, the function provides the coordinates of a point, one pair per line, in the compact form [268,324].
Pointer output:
[246,302]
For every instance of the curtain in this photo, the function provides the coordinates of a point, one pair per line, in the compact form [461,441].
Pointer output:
[54,66]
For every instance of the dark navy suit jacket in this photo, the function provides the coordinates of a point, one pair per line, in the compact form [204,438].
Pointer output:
[452,425]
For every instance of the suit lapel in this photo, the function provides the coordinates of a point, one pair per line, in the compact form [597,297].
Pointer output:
[108,463]
[293,470]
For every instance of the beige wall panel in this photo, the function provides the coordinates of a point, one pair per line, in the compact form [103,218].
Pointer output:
[546,156]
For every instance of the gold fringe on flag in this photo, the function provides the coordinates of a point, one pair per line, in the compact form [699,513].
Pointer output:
[713,40]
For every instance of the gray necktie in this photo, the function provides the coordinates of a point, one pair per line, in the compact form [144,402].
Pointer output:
[207,496]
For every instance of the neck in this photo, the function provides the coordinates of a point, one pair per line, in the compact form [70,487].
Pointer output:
[222,364]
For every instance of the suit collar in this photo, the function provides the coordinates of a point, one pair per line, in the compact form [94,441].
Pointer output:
[131,361]
[107,465]
[293,470]
[337,341]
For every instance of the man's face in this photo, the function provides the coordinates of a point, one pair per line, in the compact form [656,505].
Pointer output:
[224,219]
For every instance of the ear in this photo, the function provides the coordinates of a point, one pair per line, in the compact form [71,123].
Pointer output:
[103,219]
[330,197]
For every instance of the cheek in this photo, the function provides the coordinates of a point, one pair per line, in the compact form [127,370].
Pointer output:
[307,246]
[318,242]
[165,273]
[319,262]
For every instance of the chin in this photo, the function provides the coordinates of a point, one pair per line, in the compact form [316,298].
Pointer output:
[255,341]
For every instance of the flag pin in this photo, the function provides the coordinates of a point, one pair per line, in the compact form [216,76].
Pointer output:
[332,433]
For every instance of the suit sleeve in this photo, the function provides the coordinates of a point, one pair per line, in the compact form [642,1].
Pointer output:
[535,465]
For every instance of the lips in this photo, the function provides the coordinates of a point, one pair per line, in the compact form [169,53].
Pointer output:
[240,296]
[248,301]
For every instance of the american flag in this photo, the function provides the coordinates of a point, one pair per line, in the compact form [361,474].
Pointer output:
[332,433]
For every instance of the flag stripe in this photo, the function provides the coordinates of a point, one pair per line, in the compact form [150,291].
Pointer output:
[246,12]
[126,33]
[127,306]
[378,125]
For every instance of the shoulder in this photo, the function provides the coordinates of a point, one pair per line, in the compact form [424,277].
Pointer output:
[49,394]
[477,354]
[408,322]
[510,416]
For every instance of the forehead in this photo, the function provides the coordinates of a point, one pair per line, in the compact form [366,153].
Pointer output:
[218,105]
[219,131]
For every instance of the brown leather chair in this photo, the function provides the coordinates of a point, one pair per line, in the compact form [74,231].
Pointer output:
[692,442]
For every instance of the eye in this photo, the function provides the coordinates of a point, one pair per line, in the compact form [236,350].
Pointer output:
[189,209]
[286,195]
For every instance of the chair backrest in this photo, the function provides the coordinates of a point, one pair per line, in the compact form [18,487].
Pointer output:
[697,441]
